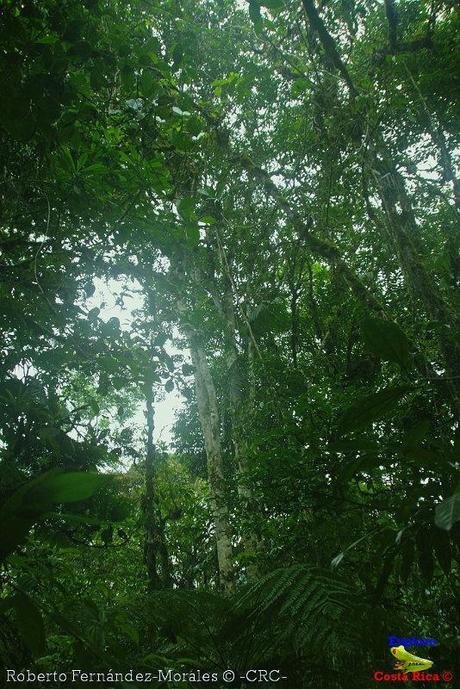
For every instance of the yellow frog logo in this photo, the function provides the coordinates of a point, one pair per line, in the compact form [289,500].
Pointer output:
[408,662]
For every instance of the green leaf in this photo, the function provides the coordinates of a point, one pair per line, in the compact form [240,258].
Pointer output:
[35,498]
[160,340]
[14,530]
[254,13]
[66,487]
[387,340]
[273,5]
[107,535]
[365,463]
[148,83]
[93,313]
[95,170]
[94,407]
[425,554]
[407,557]
[447,512]
[6,604]
[186,207]
[354,445]
[47,40]
[112,327]
[443,550]
[208,220]
[30,623]
[368,409]
[335,562]
[192,235]
[77,519]
[128,627]
[166,359]
[178,54]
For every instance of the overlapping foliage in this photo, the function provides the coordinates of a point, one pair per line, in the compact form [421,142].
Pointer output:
[273,186]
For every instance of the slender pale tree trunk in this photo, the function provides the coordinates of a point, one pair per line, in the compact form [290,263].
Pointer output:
[239,406]
[155,548]
[210,425]
[208,413]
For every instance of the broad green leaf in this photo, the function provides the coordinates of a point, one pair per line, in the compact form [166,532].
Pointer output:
[112,327]
[407,557]
[443,550]
[47,40]
[254,13]
[208,220]
[13,532]
[273,5]
[347,445]
[6,604]
[74,518]
[30,623]
[66,487]
[36,497]
[192,234]
[148,82]
[447,512]
[425,554]
[160,340]
[365,463]
[372,408]
[335,562]
[387,340]
[186,207]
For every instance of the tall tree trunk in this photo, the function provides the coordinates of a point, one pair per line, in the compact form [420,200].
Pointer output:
[239,406]
[208,413]
[155,548]
[209,420]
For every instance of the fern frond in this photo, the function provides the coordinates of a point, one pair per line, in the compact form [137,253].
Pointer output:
[302,606]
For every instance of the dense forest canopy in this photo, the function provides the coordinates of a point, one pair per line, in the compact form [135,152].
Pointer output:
[270,190]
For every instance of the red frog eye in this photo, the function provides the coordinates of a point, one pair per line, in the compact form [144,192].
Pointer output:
[393,650]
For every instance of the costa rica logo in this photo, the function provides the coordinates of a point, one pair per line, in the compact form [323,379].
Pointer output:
[411,668]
